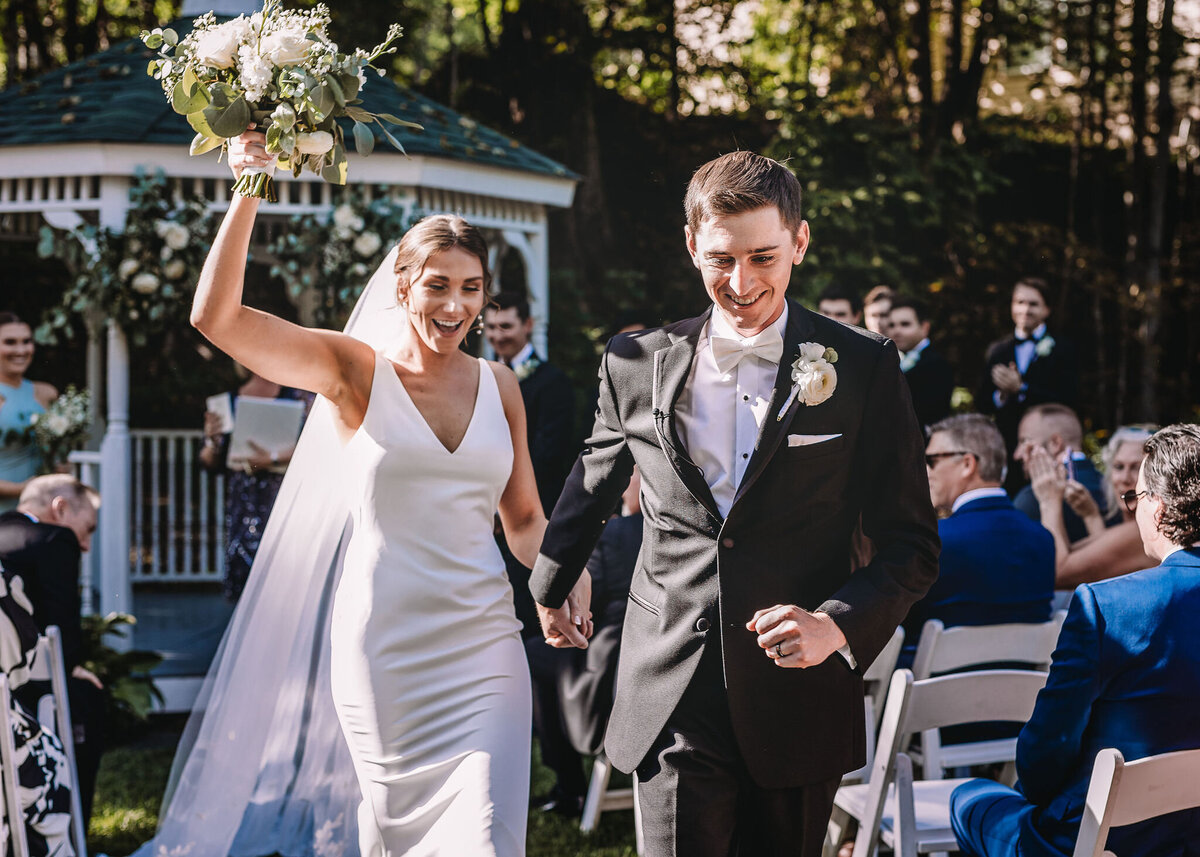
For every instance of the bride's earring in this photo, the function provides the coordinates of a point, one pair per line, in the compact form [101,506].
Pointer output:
[477,327]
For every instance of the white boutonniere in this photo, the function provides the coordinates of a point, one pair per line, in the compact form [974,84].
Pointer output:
[527,368]
[1044,346]
[813,377]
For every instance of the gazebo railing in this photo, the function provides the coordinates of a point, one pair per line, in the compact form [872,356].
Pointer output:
[178,514]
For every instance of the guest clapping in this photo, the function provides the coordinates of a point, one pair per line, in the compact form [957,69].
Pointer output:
[20,400]
[1123,676]
[1055,430]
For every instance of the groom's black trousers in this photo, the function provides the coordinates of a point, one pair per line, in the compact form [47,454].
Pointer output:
[698,800]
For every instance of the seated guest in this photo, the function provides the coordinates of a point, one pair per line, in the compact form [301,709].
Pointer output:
[996,565]
[1055,429]
[840,304]
[1112,552]
[573,688]
[929,376]
[43,785]
[876,307]
[1121,459]
[1123,676]
[42,541]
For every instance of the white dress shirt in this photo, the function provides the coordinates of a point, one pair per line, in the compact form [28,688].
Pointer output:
[718,414]
[976,494]
[521,356]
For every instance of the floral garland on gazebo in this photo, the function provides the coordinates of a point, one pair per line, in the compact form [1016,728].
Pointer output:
[141,277]
[353,240]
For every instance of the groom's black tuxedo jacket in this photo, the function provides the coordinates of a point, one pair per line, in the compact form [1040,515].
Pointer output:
[786,540]
[1053,378]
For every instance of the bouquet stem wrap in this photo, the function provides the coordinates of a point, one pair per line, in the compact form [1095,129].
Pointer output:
[256,183]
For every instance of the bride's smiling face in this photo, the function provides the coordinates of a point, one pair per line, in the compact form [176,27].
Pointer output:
[445,298]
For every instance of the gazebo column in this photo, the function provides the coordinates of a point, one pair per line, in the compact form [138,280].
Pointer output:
[532,247]
[115,489]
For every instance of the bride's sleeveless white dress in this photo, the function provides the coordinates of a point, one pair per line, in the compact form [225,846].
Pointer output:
[429,675]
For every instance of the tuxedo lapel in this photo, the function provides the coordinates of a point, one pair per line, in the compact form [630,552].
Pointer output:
[672,365]
[774,423]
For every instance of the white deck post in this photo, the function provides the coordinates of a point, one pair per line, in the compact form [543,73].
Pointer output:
[115,471]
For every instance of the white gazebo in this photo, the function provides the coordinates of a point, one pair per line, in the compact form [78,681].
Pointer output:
[72,141]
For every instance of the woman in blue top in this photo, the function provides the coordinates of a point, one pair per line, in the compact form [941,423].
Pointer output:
[20,399]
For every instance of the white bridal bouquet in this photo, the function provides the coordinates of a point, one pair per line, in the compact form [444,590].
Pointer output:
[63,427]
[279,70]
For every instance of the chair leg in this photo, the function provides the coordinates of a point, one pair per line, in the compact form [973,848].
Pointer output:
[638,839]
[601,772]
[838,822]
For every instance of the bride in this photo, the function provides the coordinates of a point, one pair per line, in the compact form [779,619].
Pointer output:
[388,505]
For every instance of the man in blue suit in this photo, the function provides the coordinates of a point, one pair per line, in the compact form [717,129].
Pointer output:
[1126,674]
[996,565]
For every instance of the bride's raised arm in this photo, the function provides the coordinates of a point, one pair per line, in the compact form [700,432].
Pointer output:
[328,362]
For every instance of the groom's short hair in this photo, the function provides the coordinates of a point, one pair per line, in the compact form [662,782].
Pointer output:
[511,300]
[739,182]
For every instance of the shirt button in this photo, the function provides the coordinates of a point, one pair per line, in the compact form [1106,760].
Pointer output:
[745,398]
[726,543]
[745,455]
[701,624]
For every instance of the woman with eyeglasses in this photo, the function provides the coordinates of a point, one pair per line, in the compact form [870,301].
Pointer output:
[1112,548]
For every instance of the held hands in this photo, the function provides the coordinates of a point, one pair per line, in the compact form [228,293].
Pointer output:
[1006,378]
[569,626]
[250,150]
[793,637]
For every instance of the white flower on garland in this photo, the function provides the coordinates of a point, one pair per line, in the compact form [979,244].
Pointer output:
[174,269]
[347,219]
[174,235]
[127,268]
[1044,346]
[145,283]
[367,244]
[813,377]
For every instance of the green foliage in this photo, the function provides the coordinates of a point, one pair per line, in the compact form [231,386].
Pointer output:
[353,240]
[141,277]
[132,692]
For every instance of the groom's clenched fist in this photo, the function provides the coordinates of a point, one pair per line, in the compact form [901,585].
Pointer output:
[793,637]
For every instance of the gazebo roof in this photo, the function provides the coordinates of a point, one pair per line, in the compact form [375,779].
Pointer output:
[108,98]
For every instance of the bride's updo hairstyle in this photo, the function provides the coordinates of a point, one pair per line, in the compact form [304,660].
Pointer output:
[430,236]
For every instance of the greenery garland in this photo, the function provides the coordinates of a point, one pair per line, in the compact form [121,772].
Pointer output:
[353,239]
[141,277]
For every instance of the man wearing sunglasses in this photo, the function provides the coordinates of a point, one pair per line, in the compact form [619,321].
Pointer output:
[996,565]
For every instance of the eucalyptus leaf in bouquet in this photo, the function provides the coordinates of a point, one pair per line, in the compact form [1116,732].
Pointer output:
[279,70]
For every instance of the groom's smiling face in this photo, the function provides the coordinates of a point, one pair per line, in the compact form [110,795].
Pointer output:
[746,260]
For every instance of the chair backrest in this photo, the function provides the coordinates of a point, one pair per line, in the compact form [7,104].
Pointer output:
[17,837]
[878,676]
[1121,793]
[916,706]
[942,650]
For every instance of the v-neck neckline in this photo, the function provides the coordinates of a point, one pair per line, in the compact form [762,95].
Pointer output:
[425,422]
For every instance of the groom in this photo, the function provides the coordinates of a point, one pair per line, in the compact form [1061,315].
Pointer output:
[739,690]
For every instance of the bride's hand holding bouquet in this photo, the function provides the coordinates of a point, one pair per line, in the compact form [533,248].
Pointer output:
[279,70]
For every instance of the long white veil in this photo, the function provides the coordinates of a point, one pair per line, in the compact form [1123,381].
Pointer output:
[262,766]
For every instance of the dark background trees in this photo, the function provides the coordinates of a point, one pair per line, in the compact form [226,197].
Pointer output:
[947,147]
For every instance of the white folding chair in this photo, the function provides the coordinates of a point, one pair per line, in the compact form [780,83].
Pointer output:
[986,695]
[1123,793]
[600,798]
[54,713]
[14,818]
[942,650]
[876,679]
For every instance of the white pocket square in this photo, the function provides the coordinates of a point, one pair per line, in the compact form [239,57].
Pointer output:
[810,439]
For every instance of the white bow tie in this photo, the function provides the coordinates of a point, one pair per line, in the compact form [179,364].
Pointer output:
[728,351]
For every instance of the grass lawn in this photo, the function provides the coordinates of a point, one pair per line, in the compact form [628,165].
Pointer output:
[132,778]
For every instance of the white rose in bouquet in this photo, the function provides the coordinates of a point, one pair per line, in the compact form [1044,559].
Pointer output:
[127,268]
[314,142]
[58,424]
[367,244]
[218,47]
[145,283]
[286,47]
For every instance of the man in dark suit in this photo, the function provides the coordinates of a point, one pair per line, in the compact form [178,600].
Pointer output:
[549,419]
[1028,368]
[1056,429]
[996,565]
[42,541]
[764,433]
[1123,676]
[573,688]
[929,376]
